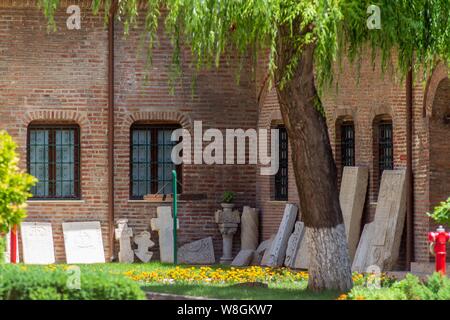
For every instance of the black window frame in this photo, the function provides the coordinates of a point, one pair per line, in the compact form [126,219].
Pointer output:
[347,144]
[153,128]
[281,179]
[52,128]
[385,147]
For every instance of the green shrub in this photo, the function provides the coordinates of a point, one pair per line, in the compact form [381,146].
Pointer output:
[37,283]
[441,213]
[364,293]
[14,186]
[436,287]
[2,248]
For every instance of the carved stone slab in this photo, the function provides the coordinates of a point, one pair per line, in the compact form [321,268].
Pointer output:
[380,240]
[244,258]
[303,256]
[280,242]
[197,252]
[352,198]
[294,243]
[37,243]
[83,242]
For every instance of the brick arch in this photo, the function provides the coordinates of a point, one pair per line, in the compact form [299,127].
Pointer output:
[440,73]
[55,115]
[342,113]
[183,119]
[381,110]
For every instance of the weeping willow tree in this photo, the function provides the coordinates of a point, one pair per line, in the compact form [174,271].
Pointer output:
[303,39]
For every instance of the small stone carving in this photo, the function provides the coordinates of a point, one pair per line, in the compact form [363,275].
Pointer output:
[144,243]
[123,233]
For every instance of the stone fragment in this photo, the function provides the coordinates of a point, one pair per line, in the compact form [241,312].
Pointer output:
[83,242]
[249,229]
[164,225]
[244,258]
[123,233]
[144,243]
[293,244]
[197,252]
[37,243]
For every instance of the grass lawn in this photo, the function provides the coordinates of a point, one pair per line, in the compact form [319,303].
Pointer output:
[283,287]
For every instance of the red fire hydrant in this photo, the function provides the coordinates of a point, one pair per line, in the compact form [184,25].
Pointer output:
[438,241]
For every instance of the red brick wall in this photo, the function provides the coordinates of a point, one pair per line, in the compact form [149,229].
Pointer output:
[58,77]
[62,77]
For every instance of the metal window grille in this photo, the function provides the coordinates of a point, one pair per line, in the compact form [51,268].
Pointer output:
[151,163]
[53,157]
[385,148]
[281,178]
[348,145]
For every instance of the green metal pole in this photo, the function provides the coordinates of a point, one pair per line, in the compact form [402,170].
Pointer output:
[175,215]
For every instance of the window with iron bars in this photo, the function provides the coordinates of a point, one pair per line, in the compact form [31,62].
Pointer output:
[347,144]
[385,147]
[53,157]
[281,178]
[151,163]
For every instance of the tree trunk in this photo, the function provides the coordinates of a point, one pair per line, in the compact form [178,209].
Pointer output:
[314,169]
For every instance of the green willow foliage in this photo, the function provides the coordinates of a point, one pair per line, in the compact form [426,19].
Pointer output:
[412,30]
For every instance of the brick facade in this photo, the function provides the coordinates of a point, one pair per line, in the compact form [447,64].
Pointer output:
[62,77]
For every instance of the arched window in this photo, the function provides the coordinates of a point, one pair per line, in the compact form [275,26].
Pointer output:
[151,163]
[348,144]
[53,157]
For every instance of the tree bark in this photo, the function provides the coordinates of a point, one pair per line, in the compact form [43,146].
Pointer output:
[314,169]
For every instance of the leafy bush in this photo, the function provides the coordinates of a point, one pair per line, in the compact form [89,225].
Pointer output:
[228,197]
[35,283]
[437,287]
[441,213]
[14,185]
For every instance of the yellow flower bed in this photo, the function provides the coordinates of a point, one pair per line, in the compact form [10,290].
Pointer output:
[218,275]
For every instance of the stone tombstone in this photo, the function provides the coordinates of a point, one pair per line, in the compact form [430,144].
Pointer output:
[83,242]
[352,198]
[294,243]
[37,243]
[164,225]
[279,245]
[197,252]
[262,253]
[123,233]
[7,253]
[249,228]
[144,243]
[243,259]
[380,240]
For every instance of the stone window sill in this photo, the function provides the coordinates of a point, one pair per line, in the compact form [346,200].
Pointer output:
[56,201]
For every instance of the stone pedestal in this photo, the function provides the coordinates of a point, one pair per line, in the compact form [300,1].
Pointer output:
[228,221]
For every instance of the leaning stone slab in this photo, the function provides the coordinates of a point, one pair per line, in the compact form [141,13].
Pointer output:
[352,197]
[83,242]
[249,229]
[380,240]
[277,251]
[197,252]
[243,259]
[293,244]
[261,251]
[303,256]
[37,243]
